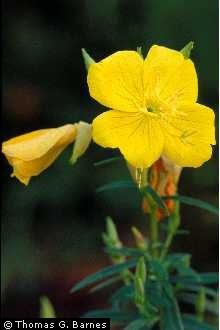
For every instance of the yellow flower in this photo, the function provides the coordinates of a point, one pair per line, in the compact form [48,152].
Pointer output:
[153,108]
[30,154]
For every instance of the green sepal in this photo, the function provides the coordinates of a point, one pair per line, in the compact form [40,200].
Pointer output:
[139,51]
[88,60]
[186,51]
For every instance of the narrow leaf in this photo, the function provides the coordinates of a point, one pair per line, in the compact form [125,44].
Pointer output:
[105,272]
[209,278]
[125,251]
[141,324]
[116,185]
[149,190]
[195,288]
[194,202]
[124,293]
[191,298]
[113,315]
[191,323]
[105,284]
[108,161]
[171,318]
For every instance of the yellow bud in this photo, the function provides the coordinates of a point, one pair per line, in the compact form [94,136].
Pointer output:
[30,154]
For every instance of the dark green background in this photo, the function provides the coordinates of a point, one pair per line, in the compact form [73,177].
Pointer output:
[51,229]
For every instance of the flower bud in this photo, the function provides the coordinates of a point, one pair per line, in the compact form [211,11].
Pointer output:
[139,238]
[141,270]
[200,304]
[30,154]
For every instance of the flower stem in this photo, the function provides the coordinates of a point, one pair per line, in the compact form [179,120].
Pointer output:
[153,231]
[174,223]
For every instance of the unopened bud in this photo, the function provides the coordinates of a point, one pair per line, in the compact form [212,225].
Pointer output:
[141,270]
[111,231]
[139,292]
[200,304]
[139,238]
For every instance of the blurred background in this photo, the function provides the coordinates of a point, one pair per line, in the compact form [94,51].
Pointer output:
[51,230]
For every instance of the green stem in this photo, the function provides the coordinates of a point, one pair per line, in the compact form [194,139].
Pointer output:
[172,228]
[153,231]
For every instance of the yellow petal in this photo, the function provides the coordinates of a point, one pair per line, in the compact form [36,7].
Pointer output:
[35,144]
[189,132]
[83,139]
[170,77]
[32,153]
[116,81]
[137,135]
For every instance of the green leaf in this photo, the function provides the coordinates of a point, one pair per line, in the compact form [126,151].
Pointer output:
[159,271]
[125,251]
[105,284]
[194,202]
[164,227]
[88,60]
[141,324]
[171,318]
[209,278]
[195,288]
[158,200]
[116,185]
[46,308]
[122,294]
[108,161]
[206,278]
[154,292]
[119,317]
[177,258]
[105,272]
[186,51]
[190,323]
[191,298]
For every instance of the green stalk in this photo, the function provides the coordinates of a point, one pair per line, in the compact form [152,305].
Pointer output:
[174,223]
[153,231]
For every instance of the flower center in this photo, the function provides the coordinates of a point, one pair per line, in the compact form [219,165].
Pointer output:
[151,109]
